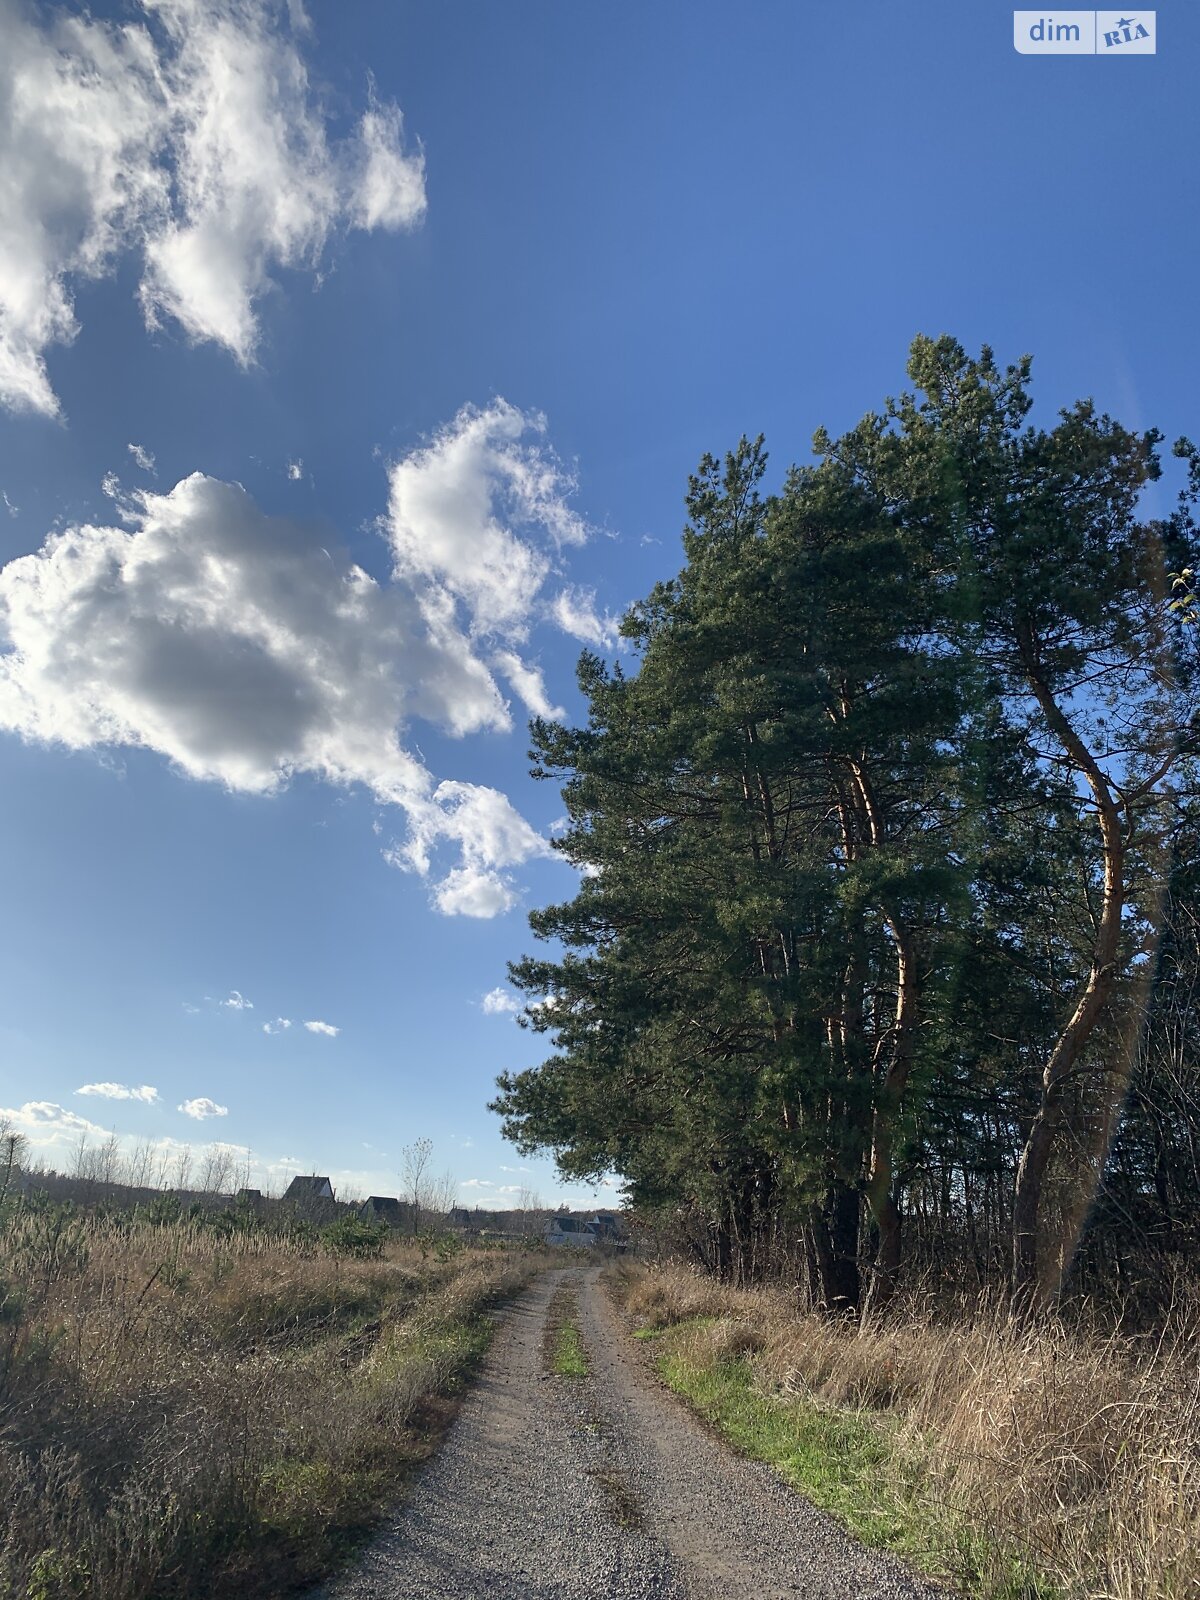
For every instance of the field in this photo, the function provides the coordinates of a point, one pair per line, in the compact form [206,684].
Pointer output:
[188,1408]
[1017,1459]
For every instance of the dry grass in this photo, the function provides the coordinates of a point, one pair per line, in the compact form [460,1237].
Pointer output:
[1080,1453]
[183,1415]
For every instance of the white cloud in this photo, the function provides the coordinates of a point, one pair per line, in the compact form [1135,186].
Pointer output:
[500,1002]
[141,457]
[44,1123]
[246,650]
[460,505]
[280,1025]
[574,610]
[191,136]
[484,824]
[119,1091]
[295,470]
[249,648]
[490,834]
[529,684]
[202,1108]
[237,1002]
[476,1183]
[13,511]
[389,184]
[327,1028]
[474,892]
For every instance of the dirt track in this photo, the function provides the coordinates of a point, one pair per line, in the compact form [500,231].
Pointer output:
[602,1488]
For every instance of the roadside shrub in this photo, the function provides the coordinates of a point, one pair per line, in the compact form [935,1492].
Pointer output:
[355,1236]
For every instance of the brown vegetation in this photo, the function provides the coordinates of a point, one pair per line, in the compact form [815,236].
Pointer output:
[1077,1450]
[187,1413]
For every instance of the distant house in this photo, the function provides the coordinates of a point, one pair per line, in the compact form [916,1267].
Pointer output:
[313,1188]
[607,1224]
[572,1232]
[386,1208]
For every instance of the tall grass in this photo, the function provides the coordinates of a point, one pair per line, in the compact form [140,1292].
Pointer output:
[186,1415]
[1051,1450]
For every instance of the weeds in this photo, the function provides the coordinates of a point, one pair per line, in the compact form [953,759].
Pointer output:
[192,1410]
[563,1343]
[1022,1461]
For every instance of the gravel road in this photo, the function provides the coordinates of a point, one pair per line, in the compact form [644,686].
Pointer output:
[602,1488]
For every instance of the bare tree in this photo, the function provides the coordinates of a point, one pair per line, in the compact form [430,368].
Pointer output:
[139,1166]
[216,1169]
[443,1192]
[12,1151]
[415,1159]
[81,1158]
[158,1178]
[530,1211]
[183,1167]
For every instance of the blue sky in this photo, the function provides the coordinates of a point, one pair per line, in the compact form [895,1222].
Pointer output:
[444,378]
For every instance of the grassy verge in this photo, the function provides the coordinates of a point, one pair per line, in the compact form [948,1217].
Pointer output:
[844,1462]
[563,1345]
[1017,1463]
[187,1415]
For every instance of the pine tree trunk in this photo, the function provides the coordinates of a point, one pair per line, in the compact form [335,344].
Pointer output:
[1030,1291]
[835,1240]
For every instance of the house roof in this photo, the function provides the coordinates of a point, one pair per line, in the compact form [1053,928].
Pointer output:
[569,1225]
[384,1205]
[310,1185]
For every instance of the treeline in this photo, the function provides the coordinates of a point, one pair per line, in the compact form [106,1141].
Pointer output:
[887,939]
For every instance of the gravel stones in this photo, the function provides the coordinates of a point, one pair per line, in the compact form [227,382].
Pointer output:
[602,1488]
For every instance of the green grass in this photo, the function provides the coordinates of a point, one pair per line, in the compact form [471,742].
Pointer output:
[569,1360]
[847,1463]
[312,1515]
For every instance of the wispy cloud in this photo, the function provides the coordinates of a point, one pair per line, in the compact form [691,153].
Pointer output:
[201,1108]
[327,1028]
[191,138]
[500,1002]
[141,457]
[237,1002]
[280,1025]
[574,610]
[529,684]
[119,1091]
[295,470]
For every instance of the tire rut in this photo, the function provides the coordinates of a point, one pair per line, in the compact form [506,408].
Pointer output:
[602,1487]
[529,1498]
[735,1528]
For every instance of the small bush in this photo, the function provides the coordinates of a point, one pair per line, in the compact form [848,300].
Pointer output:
[355,1236]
